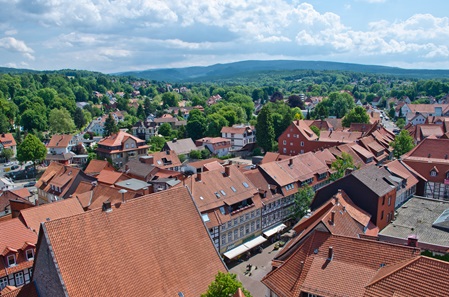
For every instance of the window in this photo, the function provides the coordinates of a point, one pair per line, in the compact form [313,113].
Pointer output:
[3,282]
[388,217]
[246,228]
[236,234]
[284,142]
[252,214]
[389,200]
[382,215]
[252,226]
[223,192]
[247,216]
[291,143]
[132,144]
[433,173]
[229,224]
[223,227]
[241,232]
[284,150]
[302,143]
[236,222]
[245,185]
[301,151]
[126,145]
[223,240]
[288,135]
[229,236]
[11,260]
[30,254]
[258,224]
[383,200]
[30,271]
[241,219]
[233,189]
[18,277]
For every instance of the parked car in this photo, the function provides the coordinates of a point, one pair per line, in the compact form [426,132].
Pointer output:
[30,184]
[14,167]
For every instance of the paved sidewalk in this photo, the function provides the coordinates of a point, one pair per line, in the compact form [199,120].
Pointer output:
[263,263]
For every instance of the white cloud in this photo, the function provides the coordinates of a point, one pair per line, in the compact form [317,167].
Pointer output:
[14,45]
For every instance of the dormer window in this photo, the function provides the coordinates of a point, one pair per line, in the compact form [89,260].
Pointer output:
[11,259]
[433,173]
[30,254]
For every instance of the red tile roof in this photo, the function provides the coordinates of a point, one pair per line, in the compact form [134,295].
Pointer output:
[118,139]
[22,193]
[28,290]
[403,171]
[236,129]
[135,249]
[95,166]
[33,217]
[310,270]
[109,177]
[7,140]
[340,136]
[60,141]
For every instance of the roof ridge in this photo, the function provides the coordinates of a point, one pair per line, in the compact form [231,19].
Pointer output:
[394,268]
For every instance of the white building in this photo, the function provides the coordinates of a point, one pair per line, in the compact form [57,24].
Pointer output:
[240,135]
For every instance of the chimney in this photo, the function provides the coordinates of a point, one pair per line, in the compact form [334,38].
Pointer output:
[297,122]
[412,240]
[228,171]
[290,162]
[333,218]
[330,254]
[175,139]
[198,176]
[107,206]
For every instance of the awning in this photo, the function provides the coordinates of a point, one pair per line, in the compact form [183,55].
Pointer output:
[274,230]
[255,242]
[236,251]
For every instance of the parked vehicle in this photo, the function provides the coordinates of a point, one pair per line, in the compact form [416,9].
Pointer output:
[30,184]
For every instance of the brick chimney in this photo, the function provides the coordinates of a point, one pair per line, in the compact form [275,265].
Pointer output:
[412,240]
[107,206]
[228,171]
[330,254]
[290,162]
[332,218]
[198,176]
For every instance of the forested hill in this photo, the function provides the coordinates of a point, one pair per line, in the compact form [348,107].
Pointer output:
[250,69]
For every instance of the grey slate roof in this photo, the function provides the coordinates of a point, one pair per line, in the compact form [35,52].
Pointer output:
[137,168]
[419,213]
[379,180]
[181,146]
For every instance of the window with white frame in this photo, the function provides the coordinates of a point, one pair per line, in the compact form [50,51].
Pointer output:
[284,142]
[126,145]
[30,272]
[30,254]
[236,234]
[18,277]
[11,259]
[223,239]
[246,228]
[302,143]
[229,236]
[242,232]
[433,173]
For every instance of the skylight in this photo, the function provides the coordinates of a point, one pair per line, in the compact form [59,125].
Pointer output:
[223,192]
[222,210]
[245,185]
[205,217]
[233,189]
[217,194]
[442,221]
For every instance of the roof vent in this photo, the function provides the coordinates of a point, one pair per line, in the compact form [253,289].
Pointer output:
[47,219]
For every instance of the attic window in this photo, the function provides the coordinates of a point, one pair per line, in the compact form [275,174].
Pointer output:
[433,173]
[222,210]
[234,190]
[205,217]
[30,254]
[223,192]
[11,260]
[245,185]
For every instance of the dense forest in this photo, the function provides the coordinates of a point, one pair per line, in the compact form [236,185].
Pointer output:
[44,103]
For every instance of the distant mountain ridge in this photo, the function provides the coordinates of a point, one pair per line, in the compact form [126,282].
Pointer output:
[228,70]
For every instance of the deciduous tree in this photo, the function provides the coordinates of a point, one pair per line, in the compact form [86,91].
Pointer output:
[402,143]
[60,121]
[340,165]
[356,115]
[302,200]
[225,285]
[31,149]
[110,127]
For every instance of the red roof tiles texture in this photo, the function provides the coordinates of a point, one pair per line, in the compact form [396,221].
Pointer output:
[136,249]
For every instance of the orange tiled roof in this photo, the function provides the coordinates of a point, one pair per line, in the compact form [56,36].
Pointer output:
[422,270]
[199,164]
[118,138]
[7,140]
[340,136]
[109,177]
[28,290]
[142,257]
[95,166]
[14,234]
[310,270]
[33,217]
[60,141]
[275,171]
[22,193]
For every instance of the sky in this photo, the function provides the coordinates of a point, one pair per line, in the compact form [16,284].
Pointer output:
[125,35]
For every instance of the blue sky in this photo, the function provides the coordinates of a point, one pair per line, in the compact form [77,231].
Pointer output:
[112,36]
